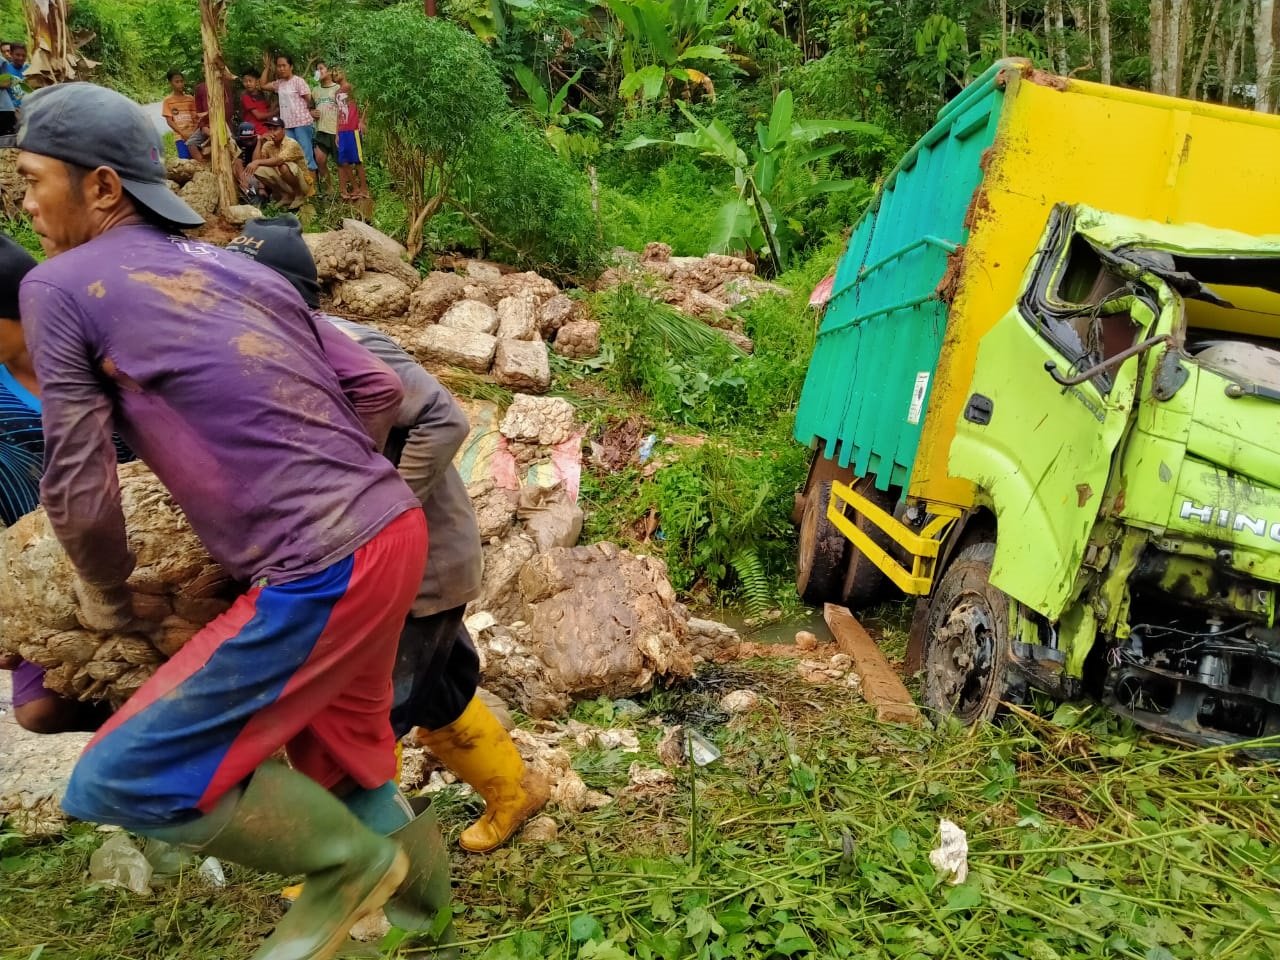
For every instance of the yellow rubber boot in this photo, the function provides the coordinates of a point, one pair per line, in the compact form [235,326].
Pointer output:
[480,751]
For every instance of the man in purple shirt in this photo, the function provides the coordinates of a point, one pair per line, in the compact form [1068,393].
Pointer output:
[265,428]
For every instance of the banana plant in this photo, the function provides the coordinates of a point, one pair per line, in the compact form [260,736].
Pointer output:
[783,172]
[557,117]
[665,39]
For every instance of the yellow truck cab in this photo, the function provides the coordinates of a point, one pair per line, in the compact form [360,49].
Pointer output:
[1043,400]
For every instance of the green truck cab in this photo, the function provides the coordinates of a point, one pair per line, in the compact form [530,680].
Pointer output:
[1043,402]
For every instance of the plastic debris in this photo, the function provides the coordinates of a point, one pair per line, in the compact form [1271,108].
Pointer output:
[951,858]
[646,447]
[211,872]
[166,860]
[119,863]
[702,750]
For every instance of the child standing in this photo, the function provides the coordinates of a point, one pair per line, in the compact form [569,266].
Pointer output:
[351,176]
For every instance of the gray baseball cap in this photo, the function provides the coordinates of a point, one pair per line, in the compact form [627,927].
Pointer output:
[91,126]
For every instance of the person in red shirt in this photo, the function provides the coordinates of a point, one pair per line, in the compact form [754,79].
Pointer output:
[228,99]
[255,108]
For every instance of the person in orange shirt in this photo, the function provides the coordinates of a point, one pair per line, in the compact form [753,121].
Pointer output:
[183,119]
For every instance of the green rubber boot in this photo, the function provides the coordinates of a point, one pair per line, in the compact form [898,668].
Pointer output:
[426,889]
[284,822]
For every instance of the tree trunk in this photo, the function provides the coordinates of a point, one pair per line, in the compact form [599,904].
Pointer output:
[1060,28]
[213,21]
[1104,38]
[1211,32]
[1004,28]
[1157,46]
[52,56]
[429,7]
[1231,66]
[1264,52]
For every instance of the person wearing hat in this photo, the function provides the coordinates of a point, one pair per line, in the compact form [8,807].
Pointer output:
[437,668]
[278,170]
[266,430]
[21,457]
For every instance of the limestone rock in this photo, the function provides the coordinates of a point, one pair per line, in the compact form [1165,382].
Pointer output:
[656,253]
[739,701]
[495,509]
[518,317]
[383,254]
[522,365]
[578,340]
[201,193]
[33,772]
[739,340]
[480,292]
[599,621]
[13,189]
[499,593]
[373,295]
[711,639]
[339,254]
[545,421]
[483,273]
[241,214]
[175,587]
[701,304]
[555,313]
[462,348]
[436,294]
[182,171]
[471,315]
[515,284]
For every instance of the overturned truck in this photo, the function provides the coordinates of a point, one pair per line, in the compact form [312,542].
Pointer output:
[1043,402]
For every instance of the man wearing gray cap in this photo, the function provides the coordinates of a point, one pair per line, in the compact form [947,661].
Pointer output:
[265,428]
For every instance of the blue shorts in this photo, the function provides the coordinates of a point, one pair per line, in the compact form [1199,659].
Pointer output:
[306,137]
[350,148]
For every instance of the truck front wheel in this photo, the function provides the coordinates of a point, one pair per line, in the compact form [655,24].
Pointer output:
[967,642]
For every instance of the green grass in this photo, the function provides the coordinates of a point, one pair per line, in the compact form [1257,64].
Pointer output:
[809,839]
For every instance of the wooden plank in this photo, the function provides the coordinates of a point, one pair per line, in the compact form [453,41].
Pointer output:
[880,685]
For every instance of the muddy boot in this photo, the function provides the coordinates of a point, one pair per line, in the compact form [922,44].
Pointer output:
[480,751]
[283,822]
[426,890]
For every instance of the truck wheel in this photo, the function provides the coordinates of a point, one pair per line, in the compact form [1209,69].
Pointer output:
[966,647]
[864,584]
[820,565]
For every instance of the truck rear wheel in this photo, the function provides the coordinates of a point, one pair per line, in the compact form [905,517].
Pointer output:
[864,584]
[967,643]
[820,564]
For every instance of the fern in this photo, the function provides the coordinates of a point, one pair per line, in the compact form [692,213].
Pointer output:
[752,579]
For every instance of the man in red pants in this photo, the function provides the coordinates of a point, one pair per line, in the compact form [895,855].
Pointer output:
[266,430]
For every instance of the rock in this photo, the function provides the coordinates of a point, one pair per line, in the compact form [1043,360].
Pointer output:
[515,284]
[739,340]
[374,295]
[522,365]
[462,348]
[383,254]
[241,214]
[549,517]
[649,781]
[656,253]
[13,188]
[541,829]
[175,587]
[182,171]
[555,313]
[499,593]
[806,640]
[545,421]
[471,315]
[711,640]
[339,254]
[495,509]
[518,317]
[481,293]
[436,294]
[201,193]
[671,747]
[599,621]
[704,305]
[578,340]
[483,273]
[739,701]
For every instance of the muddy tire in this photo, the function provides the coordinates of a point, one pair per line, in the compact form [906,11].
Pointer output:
[864,584]
[967,643]
[820,564]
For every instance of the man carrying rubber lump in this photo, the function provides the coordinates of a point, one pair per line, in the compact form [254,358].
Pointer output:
[259,423]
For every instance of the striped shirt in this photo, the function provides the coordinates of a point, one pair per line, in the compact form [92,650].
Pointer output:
[21,449]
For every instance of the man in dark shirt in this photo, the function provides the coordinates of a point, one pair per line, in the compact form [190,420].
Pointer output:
[262,426]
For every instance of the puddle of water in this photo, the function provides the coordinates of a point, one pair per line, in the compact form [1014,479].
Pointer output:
[780,631]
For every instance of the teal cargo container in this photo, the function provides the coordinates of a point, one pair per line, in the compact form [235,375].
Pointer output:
[868,383]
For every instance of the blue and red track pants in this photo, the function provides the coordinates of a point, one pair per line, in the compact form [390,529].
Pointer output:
[304,665]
